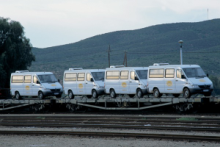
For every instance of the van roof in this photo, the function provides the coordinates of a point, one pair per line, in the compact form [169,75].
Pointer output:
[121,68]
[26,73]
[83,70]
[181,66]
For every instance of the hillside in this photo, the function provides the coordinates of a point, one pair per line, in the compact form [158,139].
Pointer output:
[144,47]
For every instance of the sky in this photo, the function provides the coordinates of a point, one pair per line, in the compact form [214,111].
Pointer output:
[50,23]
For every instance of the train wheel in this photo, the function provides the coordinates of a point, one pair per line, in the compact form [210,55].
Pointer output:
[17,96]
[176,95]
[70,94]
[186,93]
[94,94]
[207,94]
[112,93]
[157,93]
[40,95]
[139,93]
[131,95]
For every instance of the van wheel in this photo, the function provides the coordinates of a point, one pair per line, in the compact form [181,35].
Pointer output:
[139,93]
[112,93]
[94,94]
[70,94]
[40,95]
[17,96]
[157,93]
[186,93]
[176,95]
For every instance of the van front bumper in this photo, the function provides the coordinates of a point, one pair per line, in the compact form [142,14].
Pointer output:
[145,91]
[200,90]
[50,93]
[100,91]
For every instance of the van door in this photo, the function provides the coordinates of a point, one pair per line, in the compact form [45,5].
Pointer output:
[81,84]
[88,84]
[170,81]
[27,85]
[133,83]
[35,85]
[124,83]
[180,80]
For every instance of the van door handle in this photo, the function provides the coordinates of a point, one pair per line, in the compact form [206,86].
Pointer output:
[86,83]
[130,81]
[176,80]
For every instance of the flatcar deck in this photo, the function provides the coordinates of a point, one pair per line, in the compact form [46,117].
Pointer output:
[107,103]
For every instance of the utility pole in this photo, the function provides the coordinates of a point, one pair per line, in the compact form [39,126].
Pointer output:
[181,45]
[109,50]
[125,59]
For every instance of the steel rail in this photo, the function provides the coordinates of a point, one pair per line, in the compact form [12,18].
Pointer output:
[6,122]
[208,129]
[116,134]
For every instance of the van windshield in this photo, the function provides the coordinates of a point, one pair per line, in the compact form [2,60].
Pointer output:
[194,72]
[142,74]
[98,76]
[47,78]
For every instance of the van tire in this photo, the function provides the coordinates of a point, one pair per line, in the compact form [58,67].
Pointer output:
[139,93]
[176,95]
[70,94]
[94,94]
[40,95]
[112,93]
[186,93]
[17,95]
[157,93]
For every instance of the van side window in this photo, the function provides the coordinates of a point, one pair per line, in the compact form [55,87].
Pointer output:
[180,74]
[35,79]
[124,75]
[112,75]
[17,79]
[81,77]
[27,79]
[156,73]
[70,77]
[88,77]
[132,76]
[169,73]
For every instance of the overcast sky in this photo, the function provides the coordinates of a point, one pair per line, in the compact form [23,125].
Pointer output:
[56,22]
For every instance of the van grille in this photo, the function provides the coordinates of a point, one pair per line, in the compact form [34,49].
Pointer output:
[204,86]
[55,90]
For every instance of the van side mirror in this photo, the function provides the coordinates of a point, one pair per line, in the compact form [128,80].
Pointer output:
[136,78]
[38,82]
[207,75]
[183,77]
[91,80]
[59,80]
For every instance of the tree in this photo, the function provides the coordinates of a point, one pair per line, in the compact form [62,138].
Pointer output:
[15,50]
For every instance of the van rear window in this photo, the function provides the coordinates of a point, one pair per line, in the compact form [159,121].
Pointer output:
[156,73]
[70,77]
[17,79]
[112,75]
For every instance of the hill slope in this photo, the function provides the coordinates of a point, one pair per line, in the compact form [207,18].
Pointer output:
[144,47]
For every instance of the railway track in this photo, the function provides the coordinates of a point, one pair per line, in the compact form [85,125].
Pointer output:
[119,122]
[116,134]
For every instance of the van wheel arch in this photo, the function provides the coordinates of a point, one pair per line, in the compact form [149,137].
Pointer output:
[139,93]
[70,94]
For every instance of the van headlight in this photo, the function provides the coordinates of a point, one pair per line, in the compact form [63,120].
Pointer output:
[47,89]
[195,85]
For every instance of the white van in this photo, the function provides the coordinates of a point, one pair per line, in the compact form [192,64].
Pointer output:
[178,79]
[89,82]
[126,80]
[41,84]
